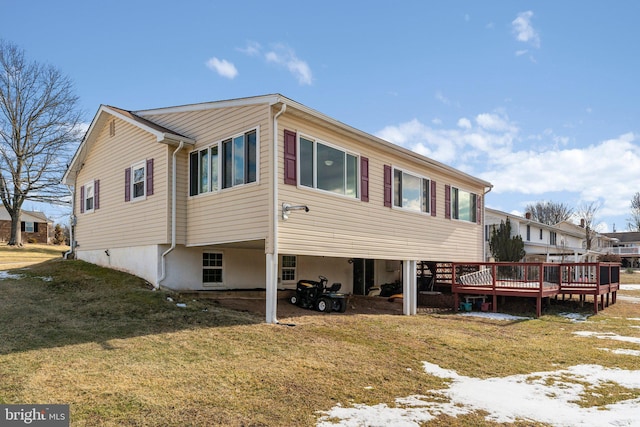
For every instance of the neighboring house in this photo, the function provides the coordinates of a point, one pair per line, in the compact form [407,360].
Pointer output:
[563,242]
[600,243]
[34,226]
[627,245]
[257,193]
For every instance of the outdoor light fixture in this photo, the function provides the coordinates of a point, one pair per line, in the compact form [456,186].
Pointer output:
[287,208]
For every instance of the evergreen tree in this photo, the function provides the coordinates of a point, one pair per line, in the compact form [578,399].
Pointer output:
[503,246]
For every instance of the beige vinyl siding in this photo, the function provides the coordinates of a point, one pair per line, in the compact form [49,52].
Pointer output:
[182,192]
[118,223]
[341,226]
[234,214]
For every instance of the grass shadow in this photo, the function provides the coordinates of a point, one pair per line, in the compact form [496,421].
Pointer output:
[59,303]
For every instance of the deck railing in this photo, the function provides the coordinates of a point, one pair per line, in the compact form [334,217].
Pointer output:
[537,280]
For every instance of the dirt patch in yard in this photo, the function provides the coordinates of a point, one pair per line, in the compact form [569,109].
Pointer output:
[356,304]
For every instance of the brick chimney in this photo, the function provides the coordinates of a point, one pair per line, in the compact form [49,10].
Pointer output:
[527,215]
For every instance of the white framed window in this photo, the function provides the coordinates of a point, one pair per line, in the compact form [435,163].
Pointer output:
[29,226]
[225,164]
[327,167]
[139,181]
[212,269]
[411,191]
[288,268]
[463,205]
[89,197]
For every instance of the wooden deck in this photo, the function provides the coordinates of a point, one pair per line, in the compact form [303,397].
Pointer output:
[536,280]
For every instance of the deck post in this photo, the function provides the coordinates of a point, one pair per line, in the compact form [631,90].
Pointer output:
[409,288]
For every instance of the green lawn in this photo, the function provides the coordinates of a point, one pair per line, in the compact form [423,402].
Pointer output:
[122,354]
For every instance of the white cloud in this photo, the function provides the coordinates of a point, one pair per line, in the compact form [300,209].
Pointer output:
[285,56]
[251,49]
[521,52]
[282,55]
[493,148]
[523,29]
[222,67]
[437,121]
[493,122]
[592,173]
[464,123]
[440,97]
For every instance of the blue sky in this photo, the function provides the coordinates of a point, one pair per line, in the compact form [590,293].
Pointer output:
[539,98]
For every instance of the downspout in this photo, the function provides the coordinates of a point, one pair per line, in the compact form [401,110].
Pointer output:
[71,223]
[272,267]
[173,215]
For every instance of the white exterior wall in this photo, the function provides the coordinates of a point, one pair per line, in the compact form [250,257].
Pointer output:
[141,261]
[245,269]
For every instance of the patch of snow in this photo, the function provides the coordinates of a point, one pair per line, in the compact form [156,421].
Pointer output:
[624,351]
[630,287]
[575,317]
[7,275]
[607,336]
[544,397]
[181,305]
[494,316]
[46,279]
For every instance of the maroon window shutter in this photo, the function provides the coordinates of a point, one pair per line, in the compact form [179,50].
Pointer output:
[149,177]
[35,227]
[290,158]
[127,184]
[387,185]
[96,194]
[82,199]
[479,209]
[433,198]
[447,201]
[23,226]
[364,179]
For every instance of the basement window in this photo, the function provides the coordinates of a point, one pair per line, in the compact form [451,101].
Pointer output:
[212,269]
[288,271]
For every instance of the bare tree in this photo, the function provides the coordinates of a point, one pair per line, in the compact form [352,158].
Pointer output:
[587,214]
[550,213]
[38,128]
[634,221]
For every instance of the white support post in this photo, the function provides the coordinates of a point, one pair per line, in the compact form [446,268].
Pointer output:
[272,289]
[409,288]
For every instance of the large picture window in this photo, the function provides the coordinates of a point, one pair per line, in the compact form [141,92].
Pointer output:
[229,163]
[328,168]
[463,205]
[410,192]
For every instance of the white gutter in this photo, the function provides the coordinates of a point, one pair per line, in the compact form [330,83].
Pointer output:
[272,264]
[71,223]
[173,215]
